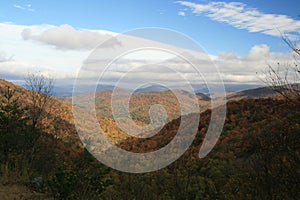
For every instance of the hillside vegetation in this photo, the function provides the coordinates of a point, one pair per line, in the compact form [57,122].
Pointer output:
[256,157]
[140,103]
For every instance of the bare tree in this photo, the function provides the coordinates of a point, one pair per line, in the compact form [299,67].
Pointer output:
[286,81]
[41,92]
[40,96]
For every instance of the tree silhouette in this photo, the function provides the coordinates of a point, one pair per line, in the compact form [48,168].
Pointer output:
[40,94]
[285,80]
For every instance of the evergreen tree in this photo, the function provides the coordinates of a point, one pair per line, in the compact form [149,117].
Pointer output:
[12,125]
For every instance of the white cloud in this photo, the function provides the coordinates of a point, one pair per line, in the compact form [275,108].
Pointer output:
[226,56]
[259,52]
[4,57]
[26,7]
[233,68]
[250,68]
[16,70]
[239,16]
[19,56]
[181,13]
[66,37]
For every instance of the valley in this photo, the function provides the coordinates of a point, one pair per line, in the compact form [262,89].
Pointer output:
[261,132]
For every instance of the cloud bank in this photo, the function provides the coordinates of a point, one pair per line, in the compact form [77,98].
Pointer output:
[30,48]
[234,69]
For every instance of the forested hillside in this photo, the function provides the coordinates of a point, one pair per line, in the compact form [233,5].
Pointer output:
[256,157]
[140,103]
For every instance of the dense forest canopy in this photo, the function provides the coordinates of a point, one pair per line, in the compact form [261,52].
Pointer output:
[256,157]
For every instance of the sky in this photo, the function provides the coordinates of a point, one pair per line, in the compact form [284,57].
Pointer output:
[240,37]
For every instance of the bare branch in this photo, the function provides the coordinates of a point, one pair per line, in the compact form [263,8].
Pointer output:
[41,92]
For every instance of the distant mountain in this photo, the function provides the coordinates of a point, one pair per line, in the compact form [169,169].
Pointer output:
[151,88]
[67,90]
[203,97]
[202,88]
[240,87]
[262,92]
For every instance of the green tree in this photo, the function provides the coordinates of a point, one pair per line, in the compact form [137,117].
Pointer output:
[13,131]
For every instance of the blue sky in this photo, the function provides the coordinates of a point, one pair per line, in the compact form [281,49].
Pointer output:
[120,16]
[210,23]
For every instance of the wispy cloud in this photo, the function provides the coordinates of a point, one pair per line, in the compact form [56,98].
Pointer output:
[181,13]
[240,16]
[27,7]
[160,11]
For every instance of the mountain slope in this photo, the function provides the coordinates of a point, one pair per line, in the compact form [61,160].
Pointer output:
[256,157]
[140,103]
[60,112]
[262,92]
